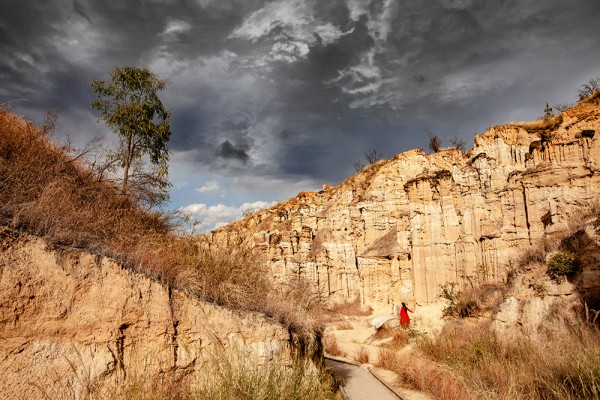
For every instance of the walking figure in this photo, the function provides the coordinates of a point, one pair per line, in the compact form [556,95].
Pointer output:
[404,318]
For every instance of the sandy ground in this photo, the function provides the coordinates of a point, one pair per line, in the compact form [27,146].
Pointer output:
[354,334]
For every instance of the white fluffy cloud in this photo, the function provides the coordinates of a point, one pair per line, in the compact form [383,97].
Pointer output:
[298,28]
[294,15]
[208,187]
[175,28]
[212,217]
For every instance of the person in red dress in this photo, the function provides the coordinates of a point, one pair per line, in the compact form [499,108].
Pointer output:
[404,318]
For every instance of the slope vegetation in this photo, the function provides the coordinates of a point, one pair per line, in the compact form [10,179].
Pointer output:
[101,300]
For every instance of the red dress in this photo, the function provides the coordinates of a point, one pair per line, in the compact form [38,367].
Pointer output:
[404,318]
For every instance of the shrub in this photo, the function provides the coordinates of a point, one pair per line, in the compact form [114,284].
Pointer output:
[590,89]
[563,265]
[458,143]
[435,143]
[460,304]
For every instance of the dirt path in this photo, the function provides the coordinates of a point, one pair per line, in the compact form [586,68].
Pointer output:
[355,338]
[359,384]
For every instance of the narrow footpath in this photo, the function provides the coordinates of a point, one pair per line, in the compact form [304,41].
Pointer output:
[359,383]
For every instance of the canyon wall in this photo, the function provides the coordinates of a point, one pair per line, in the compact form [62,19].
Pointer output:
[400,228]
[72,321]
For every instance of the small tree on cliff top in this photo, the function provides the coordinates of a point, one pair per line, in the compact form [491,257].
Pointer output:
[129,105]
[435,143]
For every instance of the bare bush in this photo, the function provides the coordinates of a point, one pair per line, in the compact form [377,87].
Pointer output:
[435,143]
[561,107]
[370,157]
[458,144]
[589,89]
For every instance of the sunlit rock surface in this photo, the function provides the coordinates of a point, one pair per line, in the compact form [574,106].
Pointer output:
[400,228]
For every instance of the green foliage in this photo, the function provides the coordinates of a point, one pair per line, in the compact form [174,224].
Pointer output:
[459,306]
[562,265]
[449,292]
[129,105]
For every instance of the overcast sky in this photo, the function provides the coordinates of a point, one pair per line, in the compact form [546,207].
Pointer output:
[269,98]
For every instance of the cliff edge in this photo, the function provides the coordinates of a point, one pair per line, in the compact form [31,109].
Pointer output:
[403,227]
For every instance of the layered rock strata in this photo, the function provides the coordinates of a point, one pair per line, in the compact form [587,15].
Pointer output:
[71,322]
[403,227]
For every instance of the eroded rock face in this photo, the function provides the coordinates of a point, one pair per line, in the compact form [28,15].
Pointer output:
[402,227]
[71,321]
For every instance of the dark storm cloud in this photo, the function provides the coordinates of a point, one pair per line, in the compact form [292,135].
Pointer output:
[334,11]
[229,150]
[339,77]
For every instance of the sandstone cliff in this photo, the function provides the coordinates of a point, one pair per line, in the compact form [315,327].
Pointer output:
[402,227]
[71,321]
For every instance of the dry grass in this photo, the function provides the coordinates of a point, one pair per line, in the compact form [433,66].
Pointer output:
[467,362]
[47,192]
[399,339]
[384,332]
[348,308]
[541,124]
[362,356]
[343,326]
[232,377]
[331,347]
[423,374]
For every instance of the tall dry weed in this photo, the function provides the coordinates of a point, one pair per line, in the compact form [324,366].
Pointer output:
[362,356]
[423,374]
[565,367]
[331,346]
[230,376]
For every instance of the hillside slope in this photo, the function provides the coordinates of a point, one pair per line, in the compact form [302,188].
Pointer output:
[403,227]
[99,298]
[72,322]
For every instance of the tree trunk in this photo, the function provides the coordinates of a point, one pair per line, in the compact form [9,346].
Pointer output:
[128,156]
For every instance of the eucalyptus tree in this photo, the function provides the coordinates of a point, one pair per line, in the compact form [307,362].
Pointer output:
[129,105]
